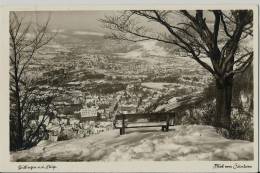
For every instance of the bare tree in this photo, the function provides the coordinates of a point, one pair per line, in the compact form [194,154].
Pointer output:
[25,40]
[214,34]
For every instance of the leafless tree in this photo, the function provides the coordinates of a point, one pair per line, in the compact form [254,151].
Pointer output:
[213,34]
[26,39]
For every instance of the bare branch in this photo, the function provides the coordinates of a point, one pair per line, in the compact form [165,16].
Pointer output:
[225,25]
[242,66]
[193,36]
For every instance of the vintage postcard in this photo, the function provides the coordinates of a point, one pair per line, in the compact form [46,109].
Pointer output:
[129,88]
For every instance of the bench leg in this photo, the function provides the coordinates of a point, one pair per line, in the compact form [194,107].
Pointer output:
[163,127]
[167,128]
[123,125]
[167,123]
[122,131]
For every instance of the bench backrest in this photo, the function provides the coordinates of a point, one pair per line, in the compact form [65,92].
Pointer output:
[158,116]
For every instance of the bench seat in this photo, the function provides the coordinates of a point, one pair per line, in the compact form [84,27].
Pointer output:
[139,120]
[141,124]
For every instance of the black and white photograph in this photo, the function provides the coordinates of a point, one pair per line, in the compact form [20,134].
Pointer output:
[132,85]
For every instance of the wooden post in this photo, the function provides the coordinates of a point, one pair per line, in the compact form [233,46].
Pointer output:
[174,118]
[123,124]
[167,122]
[163,128]
[121,131]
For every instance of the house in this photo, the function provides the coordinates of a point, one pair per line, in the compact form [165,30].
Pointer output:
[127,109]
[87,114]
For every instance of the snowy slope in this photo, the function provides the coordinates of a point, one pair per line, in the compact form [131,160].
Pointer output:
[193,142]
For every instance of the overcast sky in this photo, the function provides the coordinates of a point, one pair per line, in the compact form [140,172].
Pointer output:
[76,20]
[83,20]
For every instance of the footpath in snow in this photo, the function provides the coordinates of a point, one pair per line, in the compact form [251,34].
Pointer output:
[192,142]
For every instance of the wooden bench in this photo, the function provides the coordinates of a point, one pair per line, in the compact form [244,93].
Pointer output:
[160,119]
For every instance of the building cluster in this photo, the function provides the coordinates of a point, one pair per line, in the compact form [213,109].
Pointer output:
[132,100]
[136,99]
[64,128]
[82,109]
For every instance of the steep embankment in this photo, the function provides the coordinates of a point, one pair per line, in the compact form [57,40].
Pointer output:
[193,142]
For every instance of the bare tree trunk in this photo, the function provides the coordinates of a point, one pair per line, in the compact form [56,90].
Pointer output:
[18,104]
[19,118]
[223,103]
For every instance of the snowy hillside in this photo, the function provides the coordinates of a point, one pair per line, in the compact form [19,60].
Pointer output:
[193,142]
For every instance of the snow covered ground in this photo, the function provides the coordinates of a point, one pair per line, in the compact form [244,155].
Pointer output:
[192,142]
[157,85]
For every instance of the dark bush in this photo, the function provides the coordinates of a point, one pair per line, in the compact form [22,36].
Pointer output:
[242,113]
[241,126]
[200,114]
[63,137]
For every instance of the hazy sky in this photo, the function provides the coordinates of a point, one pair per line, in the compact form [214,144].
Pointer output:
[76,20]
[82,20]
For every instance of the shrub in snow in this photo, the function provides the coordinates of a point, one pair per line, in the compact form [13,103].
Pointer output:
[62,137]
[223,132]
[199,114]
[241,120]
[241,125]
[66,134]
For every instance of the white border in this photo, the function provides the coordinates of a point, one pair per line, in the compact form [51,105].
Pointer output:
[174,166]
